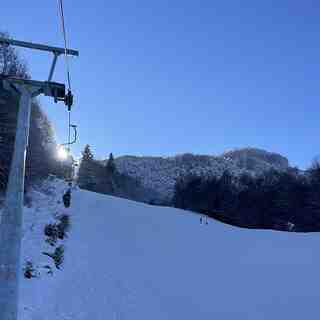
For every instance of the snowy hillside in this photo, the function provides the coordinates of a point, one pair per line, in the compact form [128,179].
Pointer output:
[128,260]
[160,174]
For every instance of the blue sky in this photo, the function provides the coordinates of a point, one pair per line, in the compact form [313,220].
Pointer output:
[167,77]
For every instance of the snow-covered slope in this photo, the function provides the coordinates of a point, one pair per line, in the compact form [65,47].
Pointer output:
[160,174]
[128,260]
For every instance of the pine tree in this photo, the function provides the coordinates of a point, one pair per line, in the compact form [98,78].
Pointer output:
[86,175]
[87,155]
[111,166]
[313,194]
[111,176]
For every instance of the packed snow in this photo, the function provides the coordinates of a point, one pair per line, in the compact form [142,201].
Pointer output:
[128,260]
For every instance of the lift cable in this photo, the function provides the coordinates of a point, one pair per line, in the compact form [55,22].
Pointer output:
[65,42]
[68,102]
[69,97]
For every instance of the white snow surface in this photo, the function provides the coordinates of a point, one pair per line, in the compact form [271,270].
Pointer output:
[128,260]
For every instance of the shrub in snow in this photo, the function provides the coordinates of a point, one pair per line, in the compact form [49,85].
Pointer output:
[63,226]
[57,256]
[29,270]
[48,270]
[58,230]
[51,232]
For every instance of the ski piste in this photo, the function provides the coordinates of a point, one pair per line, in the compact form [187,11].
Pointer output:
[129,260]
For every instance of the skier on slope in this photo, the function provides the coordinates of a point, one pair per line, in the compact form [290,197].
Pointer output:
[203,219]
[67,198]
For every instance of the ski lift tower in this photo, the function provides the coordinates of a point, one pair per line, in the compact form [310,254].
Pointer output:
[11,220]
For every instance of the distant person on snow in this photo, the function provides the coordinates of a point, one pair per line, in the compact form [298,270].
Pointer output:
[204,219]
[67,198]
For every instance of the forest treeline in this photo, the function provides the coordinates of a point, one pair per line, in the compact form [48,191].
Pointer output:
[282,200]
[104,177]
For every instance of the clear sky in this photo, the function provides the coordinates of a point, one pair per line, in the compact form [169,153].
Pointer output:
[167,77]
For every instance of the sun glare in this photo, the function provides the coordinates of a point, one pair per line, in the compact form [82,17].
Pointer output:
[62,153]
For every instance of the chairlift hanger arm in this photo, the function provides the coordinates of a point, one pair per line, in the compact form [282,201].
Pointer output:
[75,137]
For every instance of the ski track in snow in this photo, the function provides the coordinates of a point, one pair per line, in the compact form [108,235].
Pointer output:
[128,260]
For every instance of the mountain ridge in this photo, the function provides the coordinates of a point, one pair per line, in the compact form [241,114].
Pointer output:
[160,173]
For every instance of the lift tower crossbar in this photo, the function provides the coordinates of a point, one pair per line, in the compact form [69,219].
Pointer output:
[37,46]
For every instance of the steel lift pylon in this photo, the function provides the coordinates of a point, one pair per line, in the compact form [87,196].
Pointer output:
[11,219]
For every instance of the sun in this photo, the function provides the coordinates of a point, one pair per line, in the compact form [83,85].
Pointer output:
[62,153]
